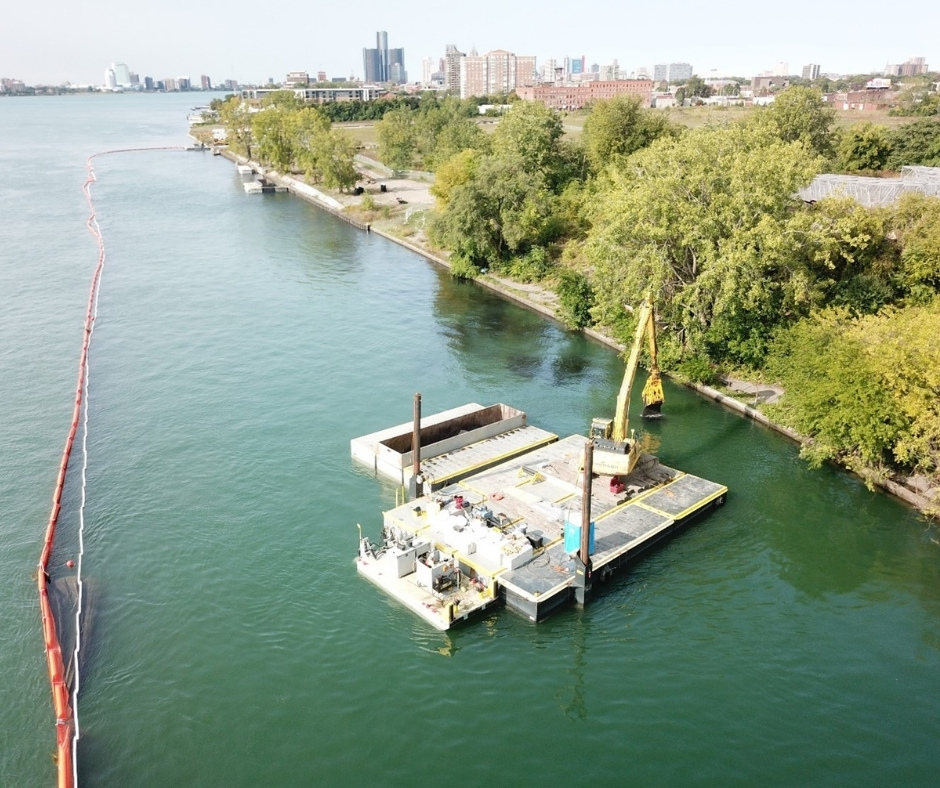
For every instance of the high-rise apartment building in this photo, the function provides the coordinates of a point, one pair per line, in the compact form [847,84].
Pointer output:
[497,72]
[526,73]
[452,60]
[548,70]
[671,72]
[810,71]
[609,72]
[428,67]
[911,68]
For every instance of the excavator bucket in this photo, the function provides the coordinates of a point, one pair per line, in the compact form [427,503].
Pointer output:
[653,396]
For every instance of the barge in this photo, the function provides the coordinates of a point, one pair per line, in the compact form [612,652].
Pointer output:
[497,511]
[499,521]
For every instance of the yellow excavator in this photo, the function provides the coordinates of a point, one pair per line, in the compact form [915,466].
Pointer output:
[616,451]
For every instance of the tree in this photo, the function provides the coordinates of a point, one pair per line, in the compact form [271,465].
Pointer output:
[531,133]
[272,129]
[834,394]
[864,147]
[335,153]
[915,222]
[576,298]
[701,220]
[500,211]
[916,143]
[843,253]
[283,99]
[458,135]
[801,115]
[397,139]
[456,171]
[236,117]
[695,86]
[866,390]
[918,98]
[618,127]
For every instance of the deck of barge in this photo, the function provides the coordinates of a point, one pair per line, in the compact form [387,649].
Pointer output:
[503,527]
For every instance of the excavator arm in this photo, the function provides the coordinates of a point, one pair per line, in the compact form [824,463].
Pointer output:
[616,451]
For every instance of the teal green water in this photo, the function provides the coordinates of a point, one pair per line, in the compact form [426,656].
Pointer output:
[790,638]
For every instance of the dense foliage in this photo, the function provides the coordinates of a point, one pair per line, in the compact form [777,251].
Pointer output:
[838,302]
[867,388]
[824,297]
[291,137]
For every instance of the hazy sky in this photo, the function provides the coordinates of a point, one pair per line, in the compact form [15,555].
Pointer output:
[64,40]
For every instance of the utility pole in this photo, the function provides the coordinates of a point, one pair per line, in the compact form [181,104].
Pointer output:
[582,570]
[416,485]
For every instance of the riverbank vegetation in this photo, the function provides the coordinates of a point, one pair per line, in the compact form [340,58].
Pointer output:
[291,137]
[837,302]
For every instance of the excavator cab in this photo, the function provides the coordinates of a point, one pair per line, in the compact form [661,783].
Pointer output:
[601,428]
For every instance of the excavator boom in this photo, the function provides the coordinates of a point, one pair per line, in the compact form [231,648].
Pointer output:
[616,450]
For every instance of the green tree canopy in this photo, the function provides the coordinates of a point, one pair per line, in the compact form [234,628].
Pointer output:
[917,142]
[272,129]
[501,210]
[865,147]
[915,222]
[801,115]
[531,134]
[397,138]
[867,389]
[700,220]
[236,117]
[618,127]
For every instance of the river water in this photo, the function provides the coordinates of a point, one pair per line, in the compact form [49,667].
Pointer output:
[792,637]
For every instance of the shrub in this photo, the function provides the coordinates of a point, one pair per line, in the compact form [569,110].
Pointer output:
[530,267]
[697,369]
[576,297]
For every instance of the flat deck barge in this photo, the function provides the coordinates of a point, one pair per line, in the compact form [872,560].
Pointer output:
[502,524]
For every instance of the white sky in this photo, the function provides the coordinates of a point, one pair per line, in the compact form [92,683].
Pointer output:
[63,40]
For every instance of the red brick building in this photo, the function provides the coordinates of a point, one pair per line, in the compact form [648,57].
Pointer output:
[571,97]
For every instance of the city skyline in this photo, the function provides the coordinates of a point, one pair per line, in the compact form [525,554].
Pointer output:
[72,44]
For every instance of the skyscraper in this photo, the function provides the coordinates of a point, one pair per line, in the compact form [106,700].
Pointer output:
[396,67]
[382,64]
[122,74]
[452,58]
[381,43]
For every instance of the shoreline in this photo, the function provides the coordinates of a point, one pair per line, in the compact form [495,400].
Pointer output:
[317,198]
